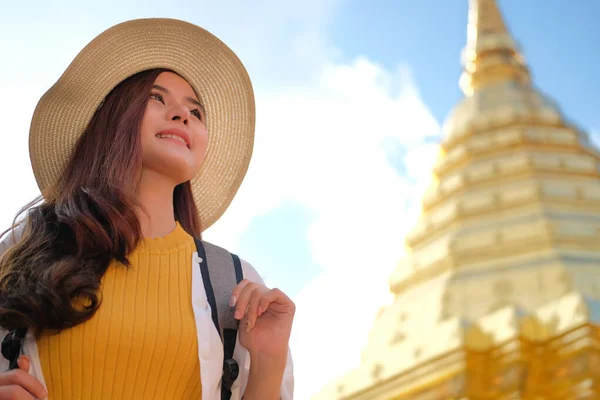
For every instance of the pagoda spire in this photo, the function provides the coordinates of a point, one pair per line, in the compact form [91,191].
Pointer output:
[484,19]
[491,54]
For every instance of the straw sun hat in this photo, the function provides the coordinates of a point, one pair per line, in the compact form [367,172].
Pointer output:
[209,66]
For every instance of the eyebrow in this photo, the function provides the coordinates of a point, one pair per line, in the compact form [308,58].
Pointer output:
[190,99]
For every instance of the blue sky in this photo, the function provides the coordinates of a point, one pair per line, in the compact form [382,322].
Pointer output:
[559,40]
[350,99]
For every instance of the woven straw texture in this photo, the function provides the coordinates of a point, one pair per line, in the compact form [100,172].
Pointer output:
[211,68]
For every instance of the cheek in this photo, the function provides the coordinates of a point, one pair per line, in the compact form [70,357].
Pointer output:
[147,127]
[201,139]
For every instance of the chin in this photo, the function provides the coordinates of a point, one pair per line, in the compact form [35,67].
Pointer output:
[176,173]
[178,167]
[180,176]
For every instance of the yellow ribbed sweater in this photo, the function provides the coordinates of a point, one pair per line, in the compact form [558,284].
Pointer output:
[141,343]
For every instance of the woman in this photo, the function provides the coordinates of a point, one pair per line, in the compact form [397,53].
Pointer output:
[139,147]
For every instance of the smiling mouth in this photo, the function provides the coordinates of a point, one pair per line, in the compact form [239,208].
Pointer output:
[176,138]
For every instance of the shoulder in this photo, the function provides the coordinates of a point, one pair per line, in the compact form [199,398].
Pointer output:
[251,273]
[248,270]
[11,237]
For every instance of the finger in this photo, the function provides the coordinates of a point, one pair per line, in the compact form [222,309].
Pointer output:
[24,363]
[14,392]
[274,296]
[244,300]
[18,377]
[252,313]
[235,295]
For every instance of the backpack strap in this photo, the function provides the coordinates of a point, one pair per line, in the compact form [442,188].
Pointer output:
[221,272]
[12,345]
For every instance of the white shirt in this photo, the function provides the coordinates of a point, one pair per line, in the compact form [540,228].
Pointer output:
[210,347]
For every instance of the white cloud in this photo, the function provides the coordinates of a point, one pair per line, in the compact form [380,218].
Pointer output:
[358,238]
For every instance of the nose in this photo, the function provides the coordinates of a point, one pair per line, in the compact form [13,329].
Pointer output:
[179,113]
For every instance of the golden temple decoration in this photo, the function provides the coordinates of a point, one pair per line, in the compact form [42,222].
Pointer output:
[499,295]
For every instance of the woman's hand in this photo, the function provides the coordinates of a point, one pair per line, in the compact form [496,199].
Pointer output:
[266,317]
[18,384]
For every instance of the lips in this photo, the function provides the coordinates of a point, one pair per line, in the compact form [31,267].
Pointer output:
[176,135]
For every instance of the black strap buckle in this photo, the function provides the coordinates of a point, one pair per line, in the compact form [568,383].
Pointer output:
[12,344]
[231,371]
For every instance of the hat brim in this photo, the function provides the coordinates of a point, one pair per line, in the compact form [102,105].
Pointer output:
[209,66]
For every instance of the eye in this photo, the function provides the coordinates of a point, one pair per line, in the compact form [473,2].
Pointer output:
[157,96]
[197,113]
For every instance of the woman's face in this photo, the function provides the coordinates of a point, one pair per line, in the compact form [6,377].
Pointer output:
[173,131]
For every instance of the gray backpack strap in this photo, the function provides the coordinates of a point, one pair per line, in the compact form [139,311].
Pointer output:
[223,277]
[221,272]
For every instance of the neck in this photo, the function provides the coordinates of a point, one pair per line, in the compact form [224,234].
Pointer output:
[155,196]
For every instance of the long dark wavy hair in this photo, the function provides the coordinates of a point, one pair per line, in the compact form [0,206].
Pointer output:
[49,280]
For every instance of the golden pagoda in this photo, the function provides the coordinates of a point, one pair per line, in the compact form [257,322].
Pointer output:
[498,297]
